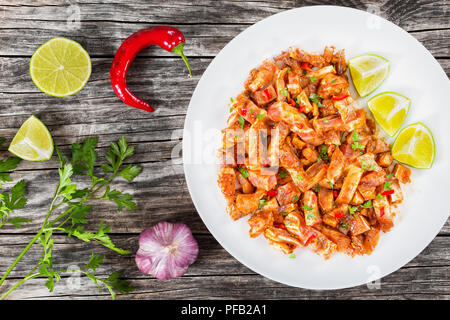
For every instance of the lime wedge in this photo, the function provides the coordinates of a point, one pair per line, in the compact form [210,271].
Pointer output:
[415,146]
[60,67]
[33,141]
[368,72]
[389,110]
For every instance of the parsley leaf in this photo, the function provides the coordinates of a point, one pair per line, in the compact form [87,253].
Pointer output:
[243,171]
[262,203]
[352,210]
[8,165]
[284,91]
[241,122]
[315,98]
[367,204]
[387,186]
[307,208]
[283,173]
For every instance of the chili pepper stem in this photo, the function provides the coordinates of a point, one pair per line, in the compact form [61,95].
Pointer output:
[179,50]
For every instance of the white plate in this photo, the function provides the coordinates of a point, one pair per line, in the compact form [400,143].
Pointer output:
[414,73]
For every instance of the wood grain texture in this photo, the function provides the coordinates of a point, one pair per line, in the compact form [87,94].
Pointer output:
[161,192]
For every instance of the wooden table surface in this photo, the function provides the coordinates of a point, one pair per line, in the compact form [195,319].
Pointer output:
[161,192]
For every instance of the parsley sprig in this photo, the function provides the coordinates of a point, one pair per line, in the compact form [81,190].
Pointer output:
[71,206]
[15,199]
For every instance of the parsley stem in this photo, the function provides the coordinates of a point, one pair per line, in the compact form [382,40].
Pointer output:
[35,238]
[36,275]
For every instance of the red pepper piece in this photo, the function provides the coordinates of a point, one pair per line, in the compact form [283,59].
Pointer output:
[272,193]
[335,193]
[381,212]
[243,112]
[292,102]
[325,166]
[341,97]
[168,38]
[267,94]
[387,192]
[280,226]
[339,215]
[306,66]
[311,238]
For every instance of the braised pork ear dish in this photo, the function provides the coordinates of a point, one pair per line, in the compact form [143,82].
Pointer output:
[303,161]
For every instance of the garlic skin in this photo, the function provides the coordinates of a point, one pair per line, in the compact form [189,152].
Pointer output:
[166,250]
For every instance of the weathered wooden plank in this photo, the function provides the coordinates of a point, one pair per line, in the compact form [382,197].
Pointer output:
[104,38]
[411,15]
[212,260]
[407,283]
[427,273]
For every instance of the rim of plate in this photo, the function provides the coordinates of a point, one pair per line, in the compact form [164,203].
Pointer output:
[189,179]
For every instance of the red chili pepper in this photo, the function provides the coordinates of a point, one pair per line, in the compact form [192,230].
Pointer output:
[325,166]
[300,125]
[280,226]
[339,215]
[335,194]
[309,240]
[168,38]
[387,192]
[267,93]
[292,102]
[341,97]
[272,193]
[381,212]
[306,66]
[243,112]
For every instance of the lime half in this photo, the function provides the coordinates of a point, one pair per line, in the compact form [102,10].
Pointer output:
[368,72]
[389,110]
[33,141]
[415,146]
[60,67]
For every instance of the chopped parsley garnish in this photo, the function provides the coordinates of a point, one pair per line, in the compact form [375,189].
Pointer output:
[325,121]
[231,109]
[315,98]
[304,72]
[313,79]
[356,145]
[317,188]
[243,171]
[284,214]
[288,71]
[251,111]
[352,209]
[241,122]
[260,116]
[387,186]
[355,136]
[323,154]
[283,173]
[303,115]
[389,175]
[330,184]
[262,203]
[364,165]
[284,92]
[367,204]
[299,177]
[292,256]
[344,225]
[231,99]
[295,198]
[307,208]
[334,81]
[379,196]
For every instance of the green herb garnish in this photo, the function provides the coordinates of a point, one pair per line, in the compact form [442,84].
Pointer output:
[241,122]
[295,198]
[315,98]
[260,116]
[243,171]
[283,173]
[292,256]
[262,203]
[284,92]
[367,204]
[307,208]
[352,209]
[387,186]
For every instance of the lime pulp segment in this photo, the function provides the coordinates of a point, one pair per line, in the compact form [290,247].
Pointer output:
[368,72]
